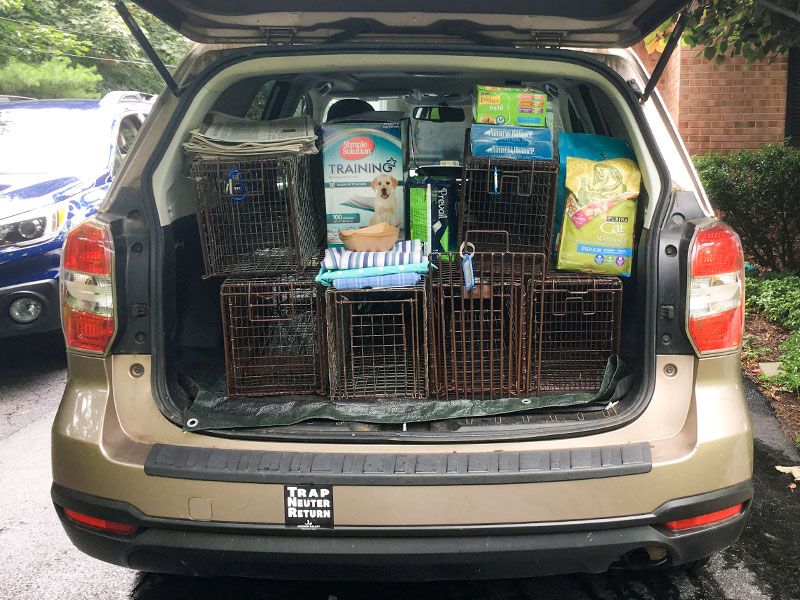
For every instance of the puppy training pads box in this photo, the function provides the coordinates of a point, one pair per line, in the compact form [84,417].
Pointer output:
[363,166]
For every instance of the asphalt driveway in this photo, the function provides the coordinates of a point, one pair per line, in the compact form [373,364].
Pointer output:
[38,562]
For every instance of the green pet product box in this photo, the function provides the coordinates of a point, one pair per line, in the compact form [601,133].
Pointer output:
[524,107]
[432,210]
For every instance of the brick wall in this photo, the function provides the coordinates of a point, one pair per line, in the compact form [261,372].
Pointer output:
[723,107]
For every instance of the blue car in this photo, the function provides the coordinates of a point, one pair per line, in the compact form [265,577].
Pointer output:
[57,161]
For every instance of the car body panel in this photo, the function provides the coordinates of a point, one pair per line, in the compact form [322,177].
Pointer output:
[103,434]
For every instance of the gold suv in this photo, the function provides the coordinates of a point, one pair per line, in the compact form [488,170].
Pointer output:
[659,473]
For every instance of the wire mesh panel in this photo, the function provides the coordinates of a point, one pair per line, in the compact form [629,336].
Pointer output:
[376,343]
[516,196]
[580,321]
[481,340]
[274,336]
[259,215]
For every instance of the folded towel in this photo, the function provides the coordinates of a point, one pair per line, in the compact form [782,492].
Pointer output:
[377,281]
[326,277]
[402,253]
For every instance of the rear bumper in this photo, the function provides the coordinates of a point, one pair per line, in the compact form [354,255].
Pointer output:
[393,554]
[46,292]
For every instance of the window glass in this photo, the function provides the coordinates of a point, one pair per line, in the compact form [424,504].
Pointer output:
[304,107]
[256,110]
[128,130]
[53,140]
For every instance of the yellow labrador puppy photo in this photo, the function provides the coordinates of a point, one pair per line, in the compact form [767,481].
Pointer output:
[384,187]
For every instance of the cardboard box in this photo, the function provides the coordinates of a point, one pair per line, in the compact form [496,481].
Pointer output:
[525,107]
[432,217]
[363,171]
[520,143]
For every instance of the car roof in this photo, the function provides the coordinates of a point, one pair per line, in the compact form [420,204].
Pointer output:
[113,102]
[45,104]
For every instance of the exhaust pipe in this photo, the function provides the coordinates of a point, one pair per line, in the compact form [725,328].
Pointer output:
[646,557]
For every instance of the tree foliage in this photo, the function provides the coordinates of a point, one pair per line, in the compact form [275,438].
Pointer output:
[54,78]
[752,29]
[88,33]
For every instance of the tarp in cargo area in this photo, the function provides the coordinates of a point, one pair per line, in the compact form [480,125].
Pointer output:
[213,409]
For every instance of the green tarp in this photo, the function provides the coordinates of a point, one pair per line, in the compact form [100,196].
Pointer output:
[213,409]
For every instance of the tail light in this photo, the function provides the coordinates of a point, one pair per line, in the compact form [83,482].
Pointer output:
[87,293]
[716,290]
[101,524]
[706,519]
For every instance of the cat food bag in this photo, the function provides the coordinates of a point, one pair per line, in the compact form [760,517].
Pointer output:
[599,216]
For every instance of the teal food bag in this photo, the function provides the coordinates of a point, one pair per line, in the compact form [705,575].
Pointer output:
[582,145]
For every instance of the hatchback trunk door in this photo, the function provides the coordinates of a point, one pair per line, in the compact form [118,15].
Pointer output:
[575,23]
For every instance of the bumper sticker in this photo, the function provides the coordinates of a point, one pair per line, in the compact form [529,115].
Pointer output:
[308,506]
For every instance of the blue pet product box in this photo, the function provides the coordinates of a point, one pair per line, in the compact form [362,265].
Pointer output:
[363,164]
[506,141]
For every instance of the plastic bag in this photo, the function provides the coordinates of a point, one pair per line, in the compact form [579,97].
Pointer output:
[599,216]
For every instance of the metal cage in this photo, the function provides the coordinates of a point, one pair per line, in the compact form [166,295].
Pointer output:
[377,341]
[516,196]
[482,340]
[580,329]
[259,215]
[274,336]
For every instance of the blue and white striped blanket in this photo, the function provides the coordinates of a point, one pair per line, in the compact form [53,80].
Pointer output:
[402,253]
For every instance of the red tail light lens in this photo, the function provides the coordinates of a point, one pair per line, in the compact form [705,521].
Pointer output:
[88,249]
[707,519]
[87,295]
[101,524]
[716,290]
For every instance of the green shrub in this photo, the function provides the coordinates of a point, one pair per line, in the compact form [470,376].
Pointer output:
[778,297]
[56,78]
[789,372]
[756,192]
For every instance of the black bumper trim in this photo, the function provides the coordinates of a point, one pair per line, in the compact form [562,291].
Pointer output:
[392,554]
[473,468]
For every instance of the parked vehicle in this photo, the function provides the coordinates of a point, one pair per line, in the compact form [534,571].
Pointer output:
[8,98]
[658,475]
[57,160]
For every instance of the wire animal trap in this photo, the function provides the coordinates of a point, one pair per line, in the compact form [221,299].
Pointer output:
[481,339]
[274,336]
[377,341]
[259,215]
[512,195]
[580,329]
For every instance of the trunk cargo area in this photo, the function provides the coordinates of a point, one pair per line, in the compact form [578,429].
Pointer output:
[465,323]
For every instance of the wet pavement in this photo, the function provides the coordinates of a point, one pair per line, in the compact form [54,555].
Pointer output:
[38,562]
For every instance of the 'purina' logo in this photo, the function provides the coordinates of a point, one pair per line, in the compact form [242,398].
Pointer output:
[356,148]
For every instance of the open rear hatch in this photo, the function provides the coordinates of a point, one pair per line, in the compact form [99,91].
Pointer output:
[574,23]
[507,23]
